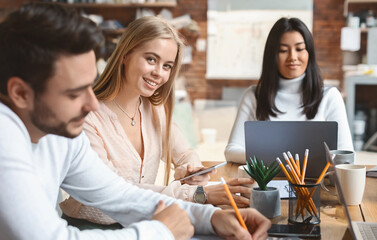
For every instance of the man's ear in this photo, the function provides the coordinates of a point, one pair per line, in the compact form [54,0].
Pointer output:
[20,93]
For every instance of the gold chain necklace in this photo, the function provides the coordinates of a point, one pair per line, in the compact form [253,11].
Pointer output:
[133,123]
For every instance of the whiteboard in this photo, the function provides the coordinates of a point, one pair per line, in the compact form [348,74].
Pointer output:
[236,39]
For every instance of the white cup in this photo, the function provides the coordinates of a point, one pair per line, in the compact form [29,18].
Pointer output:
[352,179]
[243,174]
[341,157]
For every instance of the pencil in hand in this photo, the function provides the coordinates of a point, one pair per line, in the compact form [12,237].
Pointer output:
[233,203]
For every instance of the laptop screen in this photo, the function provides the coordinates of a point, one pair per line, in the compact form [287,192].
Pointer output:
[267,140]
[340,192]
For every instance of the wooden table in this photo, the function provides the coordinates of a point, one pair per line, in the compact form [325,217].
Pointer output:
[333,220]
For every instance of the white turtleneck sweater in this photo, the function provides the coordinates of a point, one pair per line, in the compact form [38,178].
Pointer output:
[288,100]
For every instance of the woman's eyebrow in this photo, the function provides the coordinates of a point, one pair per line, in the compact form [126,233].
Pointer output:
[287,45]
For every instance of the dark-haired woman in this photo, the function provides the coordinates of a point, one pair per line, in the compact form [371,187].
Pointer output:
[290,88]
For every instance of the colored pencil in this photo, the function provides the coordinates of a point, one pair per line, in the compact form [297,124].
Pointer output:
[233,203]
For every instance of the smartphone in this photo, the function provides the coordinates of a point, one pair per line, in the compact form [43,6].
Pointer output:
[203,171]
[297,230]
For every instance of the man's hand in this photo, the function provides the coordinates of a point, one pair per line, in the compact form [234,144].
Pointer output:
[200,180]
[227,226]
[217,196]
[176,219]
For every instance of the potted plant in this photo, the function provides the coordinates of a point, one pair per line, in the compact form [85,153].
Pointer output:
[263,198]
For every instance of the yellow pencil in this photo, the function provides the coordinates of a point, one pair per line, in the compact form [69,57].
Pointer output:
[320,177]
[284,170]
[297,171]
[288,177]
[323,172]
[297,162]
[300,195]
[233,203]
[305,192]
[304,165]
[291,164]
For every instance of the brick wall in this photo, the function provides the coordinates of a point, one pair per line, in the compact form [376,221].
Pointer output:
[327,23]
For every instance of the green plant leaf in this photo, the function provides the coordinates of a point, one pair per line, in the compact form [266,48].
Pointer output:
[251,169]
[271,167]
[259,169]
[248,172]
[249,166]
[260,173]
[272,174]
[263,186]
[262,166]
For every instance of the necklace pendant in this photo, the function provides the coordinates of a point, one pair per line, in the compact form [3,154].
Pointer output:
[133,122]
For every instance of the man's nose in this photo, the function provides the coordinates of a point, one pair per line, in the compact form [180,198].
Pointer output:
[91,103]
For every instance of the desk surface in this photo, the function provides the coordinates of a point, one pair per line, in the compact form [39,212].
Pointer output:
[214,152]
[333,220]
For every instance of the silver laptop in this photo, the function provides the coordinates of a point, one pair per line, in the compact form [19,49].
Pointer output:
[267,140]
[359,230]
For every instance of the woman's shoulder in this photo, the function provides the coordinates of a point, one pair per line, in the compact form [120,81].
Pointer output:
[103,114]
[249,94]
[251,89]
[330,91]
[332,96]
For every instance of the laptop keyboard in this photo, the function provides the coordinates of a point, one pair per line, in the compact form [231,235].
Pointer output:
[368,231]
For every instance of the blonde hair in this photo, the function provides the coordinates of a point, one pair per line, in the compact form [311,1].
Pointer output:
[109,84]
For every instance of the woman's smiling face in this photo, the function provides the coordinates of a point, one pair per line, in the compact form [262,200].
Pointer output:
[148,66]
[293,56]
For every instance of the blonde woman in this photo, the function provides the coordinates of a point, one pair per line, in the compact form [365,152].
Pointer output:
[133,130]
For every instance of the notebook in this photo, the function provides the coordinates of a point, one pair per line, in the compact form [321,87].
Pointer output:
[359,230]
[267,140]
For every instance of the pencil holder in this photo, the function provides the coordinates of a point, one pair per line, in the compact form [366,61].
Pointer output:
[304,203]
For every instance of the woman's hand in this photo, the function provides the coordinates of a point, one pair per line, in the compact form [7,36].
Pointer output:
[200,180]
[216,194]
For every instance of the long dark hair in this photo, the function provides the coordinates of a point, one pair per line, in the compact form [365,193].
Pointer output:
[268,84]
[35,36]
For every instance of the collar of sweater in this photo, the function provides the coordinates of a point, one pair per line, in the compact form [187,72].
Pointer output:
[291,85]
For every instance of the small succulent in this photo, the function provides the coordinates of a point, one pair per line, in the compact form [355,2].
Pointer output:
[260,173]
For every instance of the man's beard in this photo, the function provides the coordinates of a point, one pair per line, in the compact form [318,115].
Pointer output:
[45,120]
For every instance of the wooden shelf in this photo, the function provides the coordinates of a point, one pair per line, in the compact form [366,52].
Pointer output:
[125,5]
[346,2]
[361,1]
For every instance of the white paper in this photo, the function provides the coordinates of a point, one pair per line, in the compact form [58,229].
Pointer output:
[350,39]
[282,185]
